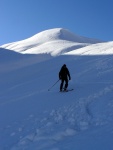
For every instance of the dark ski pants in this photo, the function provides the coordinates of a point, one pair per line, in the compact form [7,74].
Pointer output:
[62,83]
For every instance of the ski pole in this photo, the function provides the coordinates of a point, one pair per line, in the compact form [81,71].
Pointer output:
[53,85]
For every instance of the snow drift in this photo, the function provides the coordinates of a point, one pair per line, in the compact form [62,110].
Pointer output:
[33,118]
[54,41]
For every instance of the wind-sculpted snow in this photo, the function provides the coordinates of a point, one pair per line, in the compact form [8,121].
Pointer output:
[33,118]
[54,41]
[95,49]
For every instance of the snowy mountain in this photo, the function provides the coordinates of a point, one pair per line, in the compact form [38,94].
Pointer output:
[54,41]
[33,118]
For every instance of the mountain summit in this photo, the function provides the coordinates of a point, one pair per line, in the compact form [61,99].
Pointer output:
[34,115]
[53,41]
[61,34]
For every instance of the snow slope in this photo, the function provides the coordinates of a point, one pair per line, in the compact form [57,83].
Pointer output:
[33,118]
[105,48]
[53,41]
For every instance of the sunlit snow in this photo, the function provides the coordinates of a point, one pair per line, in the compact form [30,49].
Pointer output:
[33,118]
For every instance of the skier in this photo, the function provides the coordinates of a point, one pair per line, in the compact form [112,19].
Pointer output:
[64,75]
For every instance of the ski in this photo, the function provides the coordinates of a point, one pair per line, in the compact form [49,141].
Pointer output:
[67,90]
[70,90]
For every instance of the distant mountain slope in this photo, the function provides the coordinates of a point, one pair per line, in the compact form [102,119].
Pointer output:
[95,49]
[33,118]
[53,41]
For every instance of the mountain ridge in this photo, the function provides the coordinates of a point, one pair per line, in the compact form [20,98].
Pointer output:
[52,41]
[31,117]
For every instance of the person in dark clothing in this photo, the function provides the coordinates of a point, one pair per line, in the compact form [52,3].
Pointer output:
[64,76]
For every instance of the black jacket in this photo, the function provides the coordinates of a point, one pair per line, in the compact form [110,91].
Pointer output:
[64,73]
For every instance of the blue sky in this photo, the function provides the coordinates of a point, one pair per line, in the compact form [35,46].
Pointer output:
[21,19]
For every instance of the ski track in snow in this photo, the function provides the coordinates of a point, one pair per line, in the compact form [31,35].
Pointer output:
[25,81]
[56,125]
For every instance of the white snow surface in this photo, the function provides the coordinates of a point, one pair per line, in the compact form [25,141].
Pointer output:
[34,116]
[53,41]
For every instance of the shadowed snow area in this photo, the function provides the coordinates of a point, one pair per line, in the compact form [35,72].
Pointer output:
[33,118]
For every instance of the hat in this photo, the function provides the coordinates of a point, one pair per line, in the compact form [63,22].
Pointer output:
[64,65]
